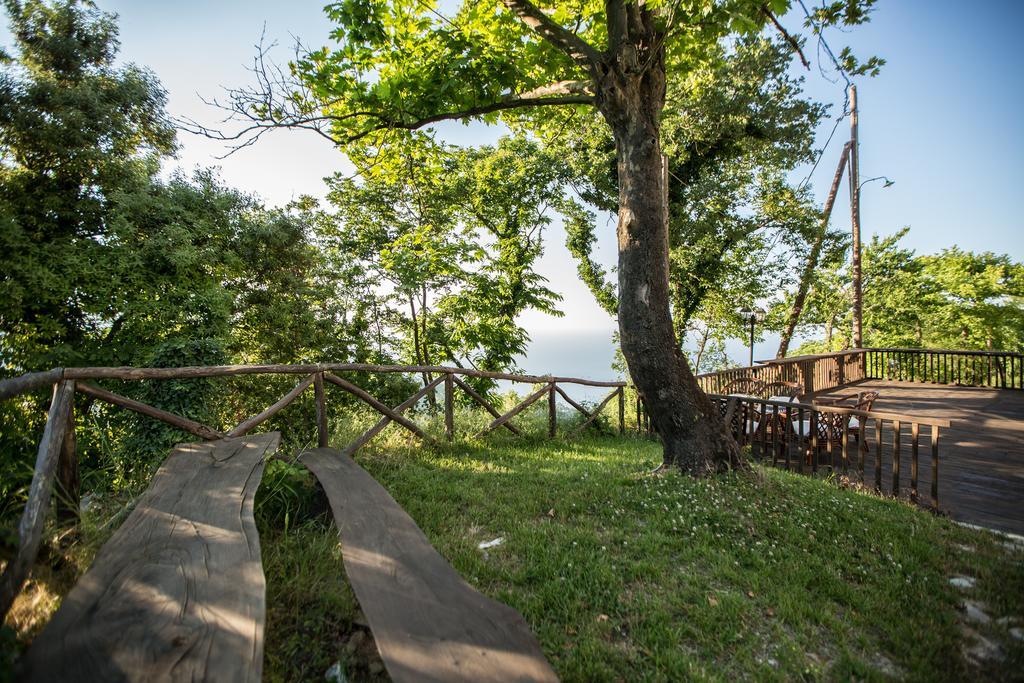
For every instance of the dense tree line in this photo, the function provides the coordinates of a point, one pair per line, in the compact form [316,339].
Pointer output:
[103,262]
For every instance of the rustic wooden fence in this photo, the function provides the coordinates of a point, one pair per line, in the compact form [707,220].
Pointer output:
[807,436]
[998,369]
[57,457]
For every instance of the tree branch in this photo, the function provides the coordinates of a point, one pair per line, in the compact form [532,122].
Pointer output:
[579,50]
[560,88]
[793,42]
[615,11]
[280,100]
[500,105]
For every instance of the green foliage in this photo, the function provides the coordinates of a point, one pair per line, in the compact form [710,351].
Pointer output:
[147,441]
[103,263]
[456,234]
[953,299]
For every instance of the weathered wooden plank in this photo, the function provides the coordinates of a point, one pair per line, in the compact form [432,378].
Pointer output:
[570,401]
[449,407]
[321,410]
[523,405]
[178,592]
[69,480]
[596,413]
[17,385]
[552,412]
[30,528]
[30,381]
[429,624]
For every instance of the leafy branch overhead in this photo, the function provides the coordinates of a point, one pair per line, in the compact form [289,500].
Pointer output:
[401,66]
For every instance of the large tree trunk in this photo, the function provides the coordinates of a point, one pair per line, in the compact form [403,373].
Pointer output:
[693,433]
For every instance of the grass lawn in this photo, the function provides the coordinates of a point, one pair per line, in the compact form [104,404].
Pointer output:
[624,575]
[627,576]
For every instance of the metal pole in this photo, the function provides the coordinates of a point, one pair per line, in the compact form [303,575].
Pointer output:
[752,318]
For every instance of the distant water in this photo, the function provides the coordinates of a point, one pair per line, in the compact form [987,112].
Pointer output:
[589,355]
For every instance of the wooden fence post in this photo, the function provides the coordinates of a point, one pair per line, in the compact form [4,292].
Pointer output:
[30,528]
[622,411]
[552,412]
[321,410]
[638,427]
[449,407]
[68,479]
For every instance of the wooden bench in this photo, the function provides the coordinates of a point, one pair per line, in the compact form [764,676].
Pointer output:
[429,624]
[178,591]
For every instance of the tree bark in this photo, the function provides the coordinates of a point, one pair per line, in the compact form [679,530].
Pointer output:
[630,94]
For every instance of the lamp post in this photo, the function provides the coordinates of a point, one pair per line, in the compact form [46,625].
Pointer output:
[858,294]
[751,316]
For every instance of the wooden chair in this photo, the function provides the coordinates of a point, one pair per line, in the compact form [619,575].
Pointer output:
[780,388]
[865,400]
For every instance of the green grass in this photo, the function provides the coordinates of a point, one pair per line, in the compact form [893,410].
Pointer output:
[627,576]
[621,574]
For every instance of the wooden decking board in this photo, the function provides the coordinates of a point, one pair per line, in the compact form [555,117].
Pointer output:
[178,591]
[429,624]
[981,455]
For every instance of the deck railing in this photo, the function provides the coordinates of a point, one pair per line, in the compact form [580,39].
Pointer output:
[813,373]
[821,372]
[806,436]
[998,369]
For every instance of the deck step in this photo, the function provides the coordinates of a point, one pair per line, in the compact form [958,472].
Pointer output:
[429,624]
[178,591]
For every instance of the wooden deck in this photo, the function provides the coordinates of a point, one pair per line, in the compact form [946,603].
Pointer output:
[981,456]
[178,591]
[429,624]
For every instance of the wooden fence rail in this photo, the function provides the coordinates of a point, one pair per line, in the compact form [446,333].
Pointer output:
[57,457]
[806,436]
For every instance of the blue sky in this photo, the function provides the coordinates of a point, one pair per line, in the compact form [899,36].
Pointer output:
[942,120]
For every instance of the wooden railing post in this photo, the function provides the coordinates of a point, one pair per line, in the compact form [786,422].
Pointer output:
[321,410]
[807,376]
[639,429]
[622,411]
[449,407]
[552,412]
[68,478]
[30,528]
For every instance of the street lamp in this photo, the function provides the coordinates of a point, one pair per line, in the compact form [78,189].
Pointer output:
[752,316]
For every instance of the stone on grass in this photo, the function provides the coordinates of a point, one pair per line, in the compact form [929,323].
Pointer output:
[975,612]
[963,582]
[335,674]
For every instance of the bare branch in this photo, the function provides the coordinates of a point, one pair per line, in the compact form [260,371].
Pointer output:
[279,99]
[579,50]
